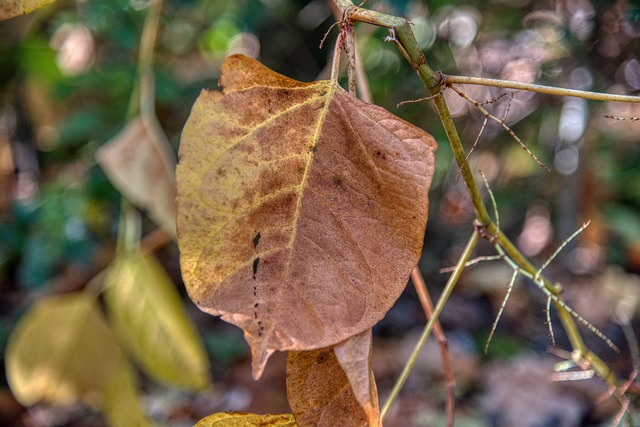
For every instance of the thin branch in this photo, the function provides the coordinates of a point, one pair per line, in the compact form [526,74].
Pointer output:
[547,312]
[488,115]
[564,243]
[362,82]
[532,87]
[145,59]
[450,383]
[451,283]
[502,306]
[473,262]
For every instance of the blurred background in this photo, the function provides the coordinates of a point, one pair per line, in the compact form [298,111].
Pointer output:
[66,78]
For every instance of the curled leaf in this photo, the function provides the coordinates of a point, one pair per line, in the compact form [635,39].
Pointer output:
[301,208]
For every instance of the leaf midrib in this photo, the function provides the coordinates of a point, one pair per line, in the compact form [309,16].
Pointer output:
[305,178]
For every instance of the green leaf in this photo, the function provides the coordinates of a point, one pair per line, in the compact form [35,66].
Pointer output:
[243,419]
[12,8]
[147,312]
[61,351]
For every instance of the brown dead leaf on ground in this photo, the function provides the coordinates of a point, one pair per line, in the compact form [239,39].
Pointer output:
[301,208]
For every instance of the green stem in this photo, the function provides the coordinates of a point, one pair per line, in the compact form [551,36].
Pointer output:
[531,87]
[145,59]
[433,82]
[451,283]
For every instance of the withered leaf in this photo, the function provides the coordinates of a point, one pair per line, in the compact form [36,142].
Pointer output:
[322,394]
[354,356]
[301,209]
[243,419]
[140,164]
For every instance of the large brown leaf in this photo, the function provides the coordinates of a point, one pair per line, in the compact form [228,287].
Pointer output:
[301,209]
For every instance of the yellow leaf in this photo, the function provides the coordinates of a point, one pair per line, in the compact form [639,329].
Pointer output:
[13,8]
[61,351]
[301,208]
[121,403]
[243,419]
[148,314]
[140,164]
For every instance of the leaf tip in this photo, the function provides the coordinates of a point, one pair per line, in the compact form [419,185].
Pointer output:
[259,358]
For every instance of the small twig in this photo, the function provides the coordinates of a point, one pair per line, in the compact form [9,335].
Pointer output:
[547,313]
[502,306]
[473,262]
[494,205]
[346,29]
[450,383]
[496,99]
[475,143]
[564,243]
[145,60]
[364,90]
[549,90]
[488,115]
[412,101]
[540,283]
[326,34]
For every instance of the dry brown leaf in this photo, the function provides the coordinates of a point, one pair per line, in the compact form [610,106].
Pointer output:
[139,163]
[301,208]
[320,393]
[354,356]
[243,419]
